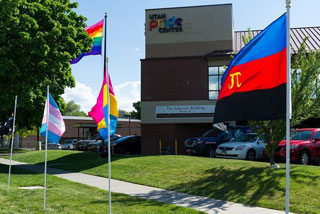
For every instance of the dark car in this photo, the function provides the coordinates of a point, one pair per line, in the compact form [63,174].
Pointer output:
[304,146]
[207,144]
[128,145]
[97,146]
[83,144]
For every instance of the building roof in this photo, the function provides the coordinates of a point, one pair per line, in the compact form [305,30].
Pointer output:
[296,37]
[90,119]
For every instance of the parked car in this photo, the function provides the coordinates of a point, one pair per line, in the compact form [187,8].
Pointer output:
[128,145]
[68,144]
[83,144]
[247,146]
[304,146]
[50,145]
[207,144]
[96,146]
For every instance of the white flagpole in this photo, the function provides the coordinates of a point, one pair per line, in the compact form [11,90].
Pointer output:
[108,101]
[46,147]
[12,137]
[288,114]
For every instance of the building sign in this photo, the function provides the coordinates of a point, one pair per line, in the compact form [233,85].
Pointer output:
[165,24]
[185,111]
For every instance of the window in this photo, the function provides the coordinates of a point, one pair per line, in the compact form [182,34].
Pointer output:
[214,76]
[302,135]
[316,135]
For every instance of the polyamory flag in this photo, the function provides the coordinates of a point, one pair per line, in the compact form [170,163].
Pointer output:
[254,85]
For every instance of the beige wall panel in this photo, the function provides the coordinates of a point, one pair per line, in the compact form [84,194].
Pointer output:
[185,49]
[201,25]
[148,111]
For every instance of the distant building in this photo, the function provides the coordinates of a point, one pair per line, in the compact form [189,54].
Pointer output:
[85,127]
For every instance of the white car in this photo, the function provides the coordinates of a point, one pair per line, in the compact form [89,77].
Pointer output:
[247,146]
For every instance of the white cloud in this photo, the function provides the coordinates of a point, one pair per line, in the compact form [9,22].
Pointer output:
[126,94]
[136,49]
[82,95]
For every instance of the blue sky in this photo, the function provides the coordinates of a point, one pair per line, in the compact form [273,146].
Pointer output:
[125,39]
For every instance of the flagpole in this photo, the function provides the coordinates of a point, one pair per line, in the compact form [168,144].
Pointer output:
[46,147]
[12,137]
[288,114]
[108,101]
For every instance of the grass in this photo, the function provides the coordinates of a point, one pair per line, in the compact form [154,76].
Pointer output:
[252,183]
[7,150]
[68,197]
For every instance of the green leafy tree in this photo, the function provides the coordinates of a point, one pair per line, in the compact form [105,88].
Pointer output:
[38,38]
[136,114]
[73,109]
[247,39]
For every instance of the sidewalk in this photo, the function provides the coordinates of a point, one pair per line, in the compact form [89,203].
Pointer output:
[207,205]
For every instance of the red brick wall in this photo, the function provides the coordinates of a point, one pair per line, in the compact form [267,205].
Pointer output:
[168,133]
[174,79]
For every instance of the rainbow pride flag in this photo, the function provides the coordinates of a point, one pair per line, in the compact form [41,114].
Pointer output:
[99,112]
[95,32]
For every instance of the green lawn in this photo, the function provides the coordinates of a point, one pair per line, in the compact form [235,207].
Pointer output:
[68,197]
[7,150]
[253,183]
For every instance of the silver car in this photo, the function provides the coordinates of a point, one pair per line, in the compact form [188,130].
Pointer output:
[248,146]
[68,144]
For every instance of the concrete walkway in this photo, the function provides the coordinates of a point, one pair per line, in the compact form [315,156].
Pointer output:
[207,205]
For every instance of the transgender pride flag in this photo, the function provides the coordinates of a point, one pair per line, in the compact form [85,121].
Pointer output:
[56,126]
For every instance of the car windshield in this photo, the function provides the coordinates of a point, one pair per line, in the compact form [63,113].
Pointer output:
[245,138]
[94,137]
[211,132]
[122,139]
[301,135]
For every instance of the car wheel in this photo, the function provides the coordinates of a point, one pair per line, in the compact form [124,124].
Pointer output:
[304,158]
[212,152]
[251,155]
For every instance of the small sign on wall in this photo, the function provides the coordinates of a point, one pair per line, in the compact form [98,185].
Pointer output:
[185,111]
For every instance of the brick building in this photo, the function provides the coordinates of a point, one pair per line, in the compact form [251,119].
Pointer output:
[85,127]
[187,52]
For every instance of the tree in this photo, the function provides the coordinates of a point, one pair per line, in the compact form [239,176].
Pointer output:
[305,98]
[73,109]
[38,38]
[135,114]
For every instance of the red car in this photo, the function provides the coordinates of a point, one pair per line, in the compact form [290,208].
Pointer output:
[304,146]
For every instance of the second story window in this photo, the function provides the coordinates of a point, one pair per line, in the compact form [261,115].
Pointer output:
[214,76]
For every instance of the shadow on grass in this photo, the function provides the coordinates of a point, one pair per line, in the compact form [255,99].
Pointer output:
[4,169]
[75,162]
[246,184]
[82,161]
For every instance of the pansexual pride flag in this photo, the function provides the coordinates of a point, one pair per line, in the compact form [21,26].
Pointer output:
[254,85]
[99,112]
[95,32]
[56,126]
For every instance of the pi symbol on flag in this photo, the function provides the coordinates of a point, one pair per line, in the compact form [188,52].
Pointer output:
[233,76]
